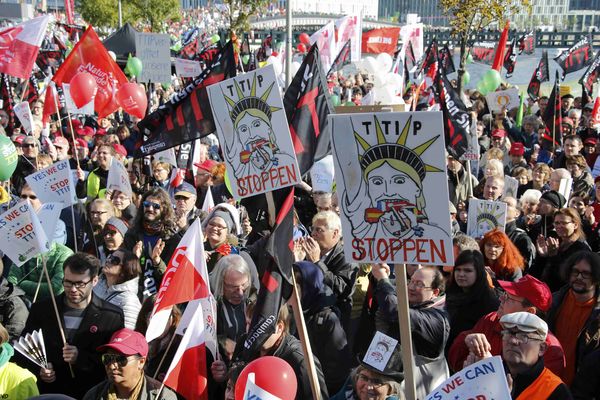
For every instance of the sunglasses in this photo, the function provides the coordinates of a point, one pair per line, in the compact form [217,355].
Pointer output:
[31,197]
[113,260]
[121,359]
[28,145]
[151,204]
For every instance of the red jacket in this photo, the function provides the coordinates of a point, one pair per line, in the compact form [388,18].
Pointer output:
[489,325]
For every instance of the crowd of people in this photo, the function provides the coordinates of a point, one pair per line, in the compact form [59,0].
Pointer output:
[528,292]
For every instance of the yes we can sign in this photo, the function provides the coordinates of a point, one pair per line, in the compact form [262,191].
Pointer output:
[54,184]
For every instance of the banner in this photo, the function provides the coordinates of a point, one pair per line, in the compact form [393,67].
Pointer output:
[23,113]
[321,175]
[54,184]
[325,40]
[541,74]
[382,40]
[154,52]
[20,46]
[446,61]
[391,181]
[527,43]
[349,28]
[22,234]
[429,60]
[484,216]
[591,75]
[552,117]
[483,380]
[457,120]
[48,215]
[187,68]
[507,99]
[118,178]
[412,34]
[484,52]
[254,133]
[575,58]
[342,58]
[510,59]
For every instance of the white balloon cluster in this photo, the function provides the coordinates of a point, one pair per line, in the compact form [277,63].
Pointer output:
[387,84]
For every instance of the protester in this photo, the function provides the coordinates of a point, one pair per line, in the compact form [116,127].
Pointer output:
[15,382]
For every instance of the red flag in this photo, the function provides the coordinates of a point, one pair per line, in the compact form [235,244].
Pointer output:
[70,11]
[19,46]
[499,57]
[596,113]
[186,279]
[50,103]
[90,55]
[383,40]
[552,117]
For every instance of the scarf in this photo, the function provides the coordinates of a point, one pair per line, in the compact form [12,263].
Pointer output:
[135,394]
[152,229]
[6,353]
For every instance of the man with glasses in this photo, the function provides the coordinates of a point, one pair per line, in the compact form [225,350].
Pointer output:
[525,295]
[523,345]
[575,312]
[27,163]
[124,359]
[185,205]
[87,321]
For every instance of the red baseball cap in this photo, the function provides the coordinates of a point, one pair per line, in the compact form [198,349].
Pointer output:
[206,165]
[517,149]
[61,141]
[591,141]
[128,342]
[81,142]
[498,133]
[532,289]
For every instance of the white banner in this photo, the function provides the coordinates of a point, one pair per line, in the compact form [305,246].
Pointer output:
[153,49]
[23,113]
[118,178]
[187,68]
[49,214]
[22,234]
[484,216]
[483,380]
[391,181]
[321,175]
[254,133]
[507,99]
[54,184]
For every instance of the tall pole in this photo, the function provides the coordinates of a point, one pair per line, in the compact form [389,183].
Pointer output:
[288,44]
[120,15]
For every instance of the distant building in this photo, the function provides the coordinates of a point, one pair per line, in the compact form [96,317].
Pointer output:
[578,15]
[186,4]
[429,11]
[369,8]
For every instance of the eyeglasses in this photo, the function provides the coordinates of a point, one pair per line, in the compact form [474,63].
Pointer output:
[505,297]
[120,359]
[375,382]
[30,196]
[217,227]
[28,145]
[418,284]
[151,204]
[521,337]
[98,212]
[77,285]
[113,260]
[584,274]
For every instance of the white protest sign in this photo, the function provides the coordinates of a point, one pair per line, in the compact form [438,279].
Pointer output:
[153,49]
[187,68]
[23,113]
[321,175]
[48,215]
[54,184]
[118,178]
[483,380]
[507,99]
[380,351]
[167,156]
[596,169]
[511,185]
[254,133]
[473,149]
[565,187]
[22,234]
[88,109]
[485,215]
[390,171]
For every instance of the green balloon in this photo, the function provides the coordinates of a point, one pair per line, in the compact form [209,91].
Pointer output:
[134,65]
[165,86]
[466,78]
[335,99]
[349,103]
[227,182]
[245,58]
[482,88]
[492,80]
[215,38]
[469,58]
[8,161]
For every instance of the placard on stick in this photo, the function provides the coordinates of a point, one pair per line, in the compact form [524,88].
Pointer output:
[54,184]
[22,234]
[153,50]
[485,215]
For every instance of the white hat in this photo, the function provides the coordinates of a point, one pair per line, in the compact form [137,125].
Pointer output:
[526,322]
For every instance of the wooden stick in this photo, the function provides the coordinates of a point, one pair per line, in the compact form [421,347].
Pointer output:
[24,90]
[73,138]
[164,357]
[74,229]
[306,348]
[37,289]
[410,390]
[60,327]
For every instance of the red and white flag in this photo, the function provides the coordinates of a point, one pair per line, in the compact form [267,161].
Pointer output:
[19,46]
[325,40]
[186,279]
[349,28]
[70,11]
[596,113]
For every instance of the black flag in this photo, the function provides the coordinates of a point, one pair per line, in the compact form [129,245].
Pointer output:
[307,106]
[577,57]
[552,118]
[510,59]
[591,75]
[342,58]
[527,43]
[187,116]
[541,74]
[446,61]
[430,57]
[457,120]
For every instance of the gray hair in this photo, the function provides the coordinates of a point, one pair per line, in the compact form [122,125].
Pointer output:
[332,220]
[231,262]
[574,112]
[530,196]
[562,173]
[531,119]
[395,387]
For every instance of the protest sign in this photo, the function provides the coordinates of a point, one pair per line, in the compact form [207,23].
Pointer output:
[22,234]
[254,133]
[153,50]
[565,187]
[167,156]
[485,215]
[511,185]
[391,181]
[473,148]
[54,184]
[485,379]
[88,109]
[187,68]
[321,175]
[380,351]
[23,113]
[507,99]
[118,178]
[48,215]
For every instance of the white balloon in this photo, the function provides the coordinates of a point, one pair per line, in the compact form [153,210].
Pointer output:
[371,65]
[385,62]
[380,80]
[112,55]
[276,64]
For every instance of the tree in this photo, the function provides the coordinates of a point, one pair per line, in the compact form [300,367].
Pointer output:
[156,13]
[240,12]
[103,14]
[469,16]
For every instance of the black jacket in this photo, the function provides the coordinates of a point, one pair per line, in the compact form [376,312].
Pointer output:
[523,381]
[586,385]
[13,311]
[523,242]
[547,269]
[100,320]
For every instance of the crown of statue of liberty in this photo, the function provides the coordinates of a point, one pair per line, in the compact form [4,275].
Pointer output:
[252,101]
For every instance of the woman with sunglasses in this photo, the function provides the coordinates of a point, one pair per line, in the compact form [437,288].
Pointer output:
[119,282]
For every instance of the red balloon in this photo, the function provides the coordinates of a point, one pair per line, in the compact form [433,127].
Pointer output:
[83,88]
[301,47]
[132,97]
[271,374]
[274,53]
[304,38]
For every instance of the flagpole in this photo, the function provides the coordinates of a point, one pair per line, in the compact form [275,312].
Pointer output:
[288,44]
[405,332]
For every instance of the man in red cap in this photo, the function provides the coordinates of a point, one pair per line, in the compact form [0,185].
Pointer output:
[527,294]
[517,158]
[498,136]
[124,358]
